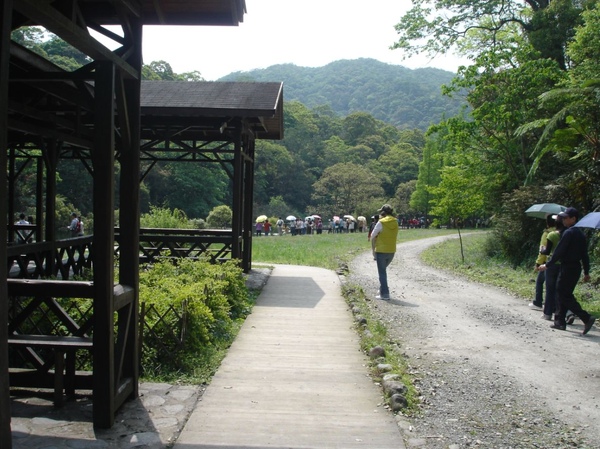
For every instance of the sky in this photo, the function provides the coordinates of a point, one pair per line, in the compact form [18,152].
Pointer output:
[307,33]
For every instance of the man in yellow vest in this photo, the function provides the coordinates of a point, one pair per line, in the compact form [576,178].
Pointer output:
[383,243]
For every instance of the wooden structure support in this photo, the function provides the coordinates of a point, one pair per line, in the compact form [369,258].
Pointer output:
[93,113]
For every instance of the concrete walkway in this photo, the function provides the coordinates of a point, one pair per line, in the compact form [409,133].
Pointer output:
[295,376]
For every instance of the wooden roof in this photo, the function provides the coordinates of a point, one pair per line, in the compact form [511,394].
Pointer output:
[154,12]
[208,104]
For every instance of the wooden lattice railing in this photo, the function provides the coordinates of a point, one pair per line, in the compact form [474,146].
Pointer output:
[61,259]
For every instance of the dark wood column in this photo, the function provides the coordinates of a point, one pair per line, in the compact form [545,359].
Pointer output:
[237,196]
[249,145]
[5,28]
[104,180]
[129,216]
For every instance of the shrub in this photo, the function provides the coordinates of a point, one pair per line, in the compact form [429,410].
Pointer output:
[191,308]
[163,217]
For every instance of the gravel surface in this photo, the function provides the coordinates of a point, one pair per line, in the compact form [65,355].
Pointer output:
[490,371]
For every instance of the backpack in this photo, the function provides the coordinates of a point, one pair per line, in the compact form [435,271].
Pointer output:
[79,227]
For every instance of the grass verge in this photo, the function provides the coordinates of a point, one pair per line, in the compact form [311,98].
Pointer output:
[479,267]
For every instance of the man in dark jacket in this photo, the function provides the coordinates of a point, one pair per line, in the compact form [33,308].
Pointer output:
[572,254]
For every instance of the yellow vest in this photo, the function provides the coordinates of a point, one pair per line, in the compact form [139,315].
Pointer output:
[386,239]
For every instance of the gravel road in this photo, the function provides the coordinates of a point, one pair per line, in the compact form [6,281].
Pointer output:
[491,372]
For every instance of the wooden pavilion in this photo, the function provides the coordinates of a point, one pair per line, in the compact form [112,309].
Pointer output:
[96,114]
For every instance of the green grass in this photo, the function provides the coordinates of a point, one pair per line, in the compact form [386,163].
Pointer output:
[325,250]
[518,281]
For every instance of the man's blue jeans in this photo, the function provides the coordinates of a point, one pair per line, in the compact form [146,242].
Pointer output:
[383,260]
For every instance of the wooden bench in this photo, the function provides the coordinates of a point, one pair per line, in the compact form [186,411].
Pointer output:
[60,345]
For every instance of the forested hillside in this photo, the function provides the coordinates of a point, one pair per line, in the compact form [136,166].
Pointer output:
[395,94]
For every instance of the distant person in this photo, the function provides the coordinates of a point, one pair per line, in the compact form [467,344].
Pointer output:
[374,220]
[267,227]
[538,302]
[259,229]
[22,220]
[383,243]
[279,225]
[20,235]
[76,226]
[571,252]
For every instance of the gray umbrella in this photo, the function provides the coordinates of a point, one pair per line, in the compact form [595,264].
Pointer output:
[543,209]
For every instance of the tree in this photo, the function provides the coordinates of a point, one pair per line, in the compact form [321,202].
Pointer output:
[572,134]
[357,126]
[402,197]
[458,197]
[162,70]
[548,26]
[399,164]
[346,188]
[429,172]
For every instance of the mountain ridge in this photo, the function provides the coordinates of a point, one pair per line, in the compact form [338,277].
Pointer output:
[404,97]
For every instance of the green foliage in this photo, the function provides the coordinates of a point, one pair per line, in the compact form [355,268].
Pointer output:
[192,311]
[163,217]
[517,236]
[346,188]
[220,217]
[404,98]
[458,195]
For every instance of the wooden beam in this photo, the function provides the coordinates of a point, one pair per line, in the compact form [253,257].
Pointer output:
[52,288]
[47,16]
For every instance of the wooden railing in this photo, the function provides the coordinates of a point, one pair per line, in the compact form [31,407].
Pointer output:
[66,258]
[157,243]
[61,259]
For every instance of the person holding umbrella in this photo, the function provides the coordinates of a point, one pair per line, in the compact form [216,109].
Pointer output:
[571,253]
[541,275]
[383,243]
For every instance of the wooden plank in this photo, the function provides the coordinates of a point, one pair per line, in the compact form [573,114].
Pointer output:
[50,288]
[51,341]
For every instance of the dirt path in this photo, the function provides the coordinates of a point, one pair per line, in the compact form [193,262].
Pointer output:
[491,371]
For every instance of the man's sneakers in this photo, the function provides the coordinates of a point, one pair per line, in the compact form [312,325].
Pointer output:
[546,317]
[533,305]
[558,327]
[383,297]
[570,318]
[588,325]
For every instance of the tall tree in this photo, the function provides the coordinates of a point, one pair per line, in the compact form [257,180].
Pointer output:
[346,188]
[548,25]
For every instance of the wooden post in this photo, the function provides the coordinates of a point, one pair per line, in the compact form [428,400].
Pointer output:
[103,155]
[5,29]
[249,144]
[129,213]
[238,176]
[50,152]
